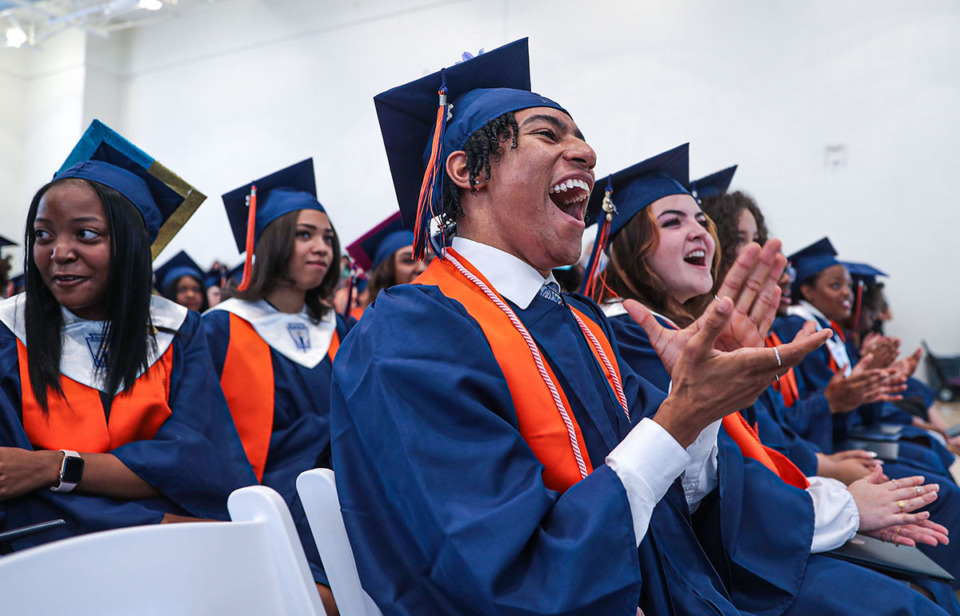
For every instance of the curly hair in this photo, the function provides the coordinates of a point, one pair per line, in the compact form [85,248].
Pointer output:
[482,145]
[724,210]
[628,274]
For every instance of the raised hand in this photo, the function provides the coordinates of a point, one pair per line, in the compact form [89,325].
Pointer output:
[751,285]
[865,385]
[882,351]
[709,383]
[906,366]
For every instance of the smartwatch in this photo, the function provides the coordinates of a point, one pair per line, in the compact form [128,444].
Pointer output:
[71,471]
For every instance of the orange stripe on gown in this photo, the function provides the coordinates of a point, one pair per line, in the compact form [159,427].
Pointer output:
[248,384]
[539,421]
[750,446]
[77,421]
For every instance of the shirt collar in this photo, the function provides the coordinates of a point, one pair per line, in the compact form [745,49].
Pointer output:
[510,276]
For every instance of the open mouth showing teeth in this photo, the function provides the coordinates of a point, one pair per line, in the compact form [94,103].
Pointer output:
[571,197]
[696,257]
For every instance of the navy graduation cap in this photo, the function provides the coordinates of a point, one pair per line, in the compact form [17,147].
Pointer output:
[712,185]
[163,198]
[4,242]
[863,272]
[178,266]
[424,121]
[627,192]
[262,201]
[812,260]
[378,244]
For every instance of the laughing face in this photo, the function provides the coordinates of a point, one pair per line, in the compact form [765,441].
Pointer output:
[685,249]
[536,199]
[72,248]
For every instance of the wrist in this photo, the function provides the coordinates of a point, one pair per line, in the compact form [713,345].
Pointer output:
[671,418]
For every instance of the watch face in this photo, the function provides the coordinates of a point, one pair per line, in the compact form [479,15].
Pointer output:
[72,471]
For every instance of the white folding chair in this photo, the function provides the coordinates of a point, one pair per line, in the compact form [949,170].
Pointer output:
[252,565]
[318,492]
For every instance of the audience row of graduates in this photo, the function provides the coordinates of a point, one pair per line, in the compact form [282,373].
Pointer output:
[119,407]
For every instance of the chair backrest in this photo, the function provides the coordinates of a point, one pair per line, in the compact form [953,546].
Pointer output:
[318,493]
[253,565]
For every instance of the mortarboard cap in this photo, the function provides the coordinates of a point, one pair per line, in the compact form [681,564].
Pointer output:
[4,242]
[288,190]
[863,272]
[418,136]
[378,244]
[712,185]
[180,265]
[164,199]
[626,193]
[812,260]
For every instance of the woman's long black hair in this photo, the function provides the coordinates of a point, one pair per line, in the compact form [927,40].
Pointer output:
[127,329]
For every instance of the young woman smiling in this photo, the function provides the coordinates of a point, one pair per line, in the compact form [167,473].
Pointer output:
[105,391]
[663,253]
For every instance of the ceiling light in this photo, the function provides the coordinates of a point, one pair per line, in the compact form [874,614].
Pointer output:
[16,37]
[150,5]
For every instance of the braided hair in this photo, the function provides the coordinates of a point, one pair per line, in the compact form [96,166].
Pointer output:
[482,145]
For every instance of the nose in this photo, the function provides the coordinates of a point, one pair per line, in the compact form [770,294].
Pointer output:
[62,250]
[580,151]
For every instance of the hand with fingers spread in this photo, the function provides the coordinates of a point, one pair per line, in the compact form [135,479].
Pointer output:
[719,364]
[864,386]
[906,366]
[887,509]
[882,351]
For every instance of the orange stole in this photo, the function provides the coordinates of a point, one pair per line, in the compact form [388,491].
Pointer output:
[540,424]
[750,446]
[787,385]
[248,385]
[77,420]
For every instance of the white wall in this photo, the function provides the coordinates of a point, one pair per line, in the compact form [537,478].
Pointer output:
[235,89]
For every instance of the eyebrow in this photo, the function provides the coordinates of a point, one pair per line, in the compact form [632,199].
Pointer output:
[680,213]
[77,219]
[555,122]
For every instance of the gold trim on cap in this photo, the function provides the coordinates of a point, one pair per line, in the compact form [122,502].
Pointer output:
[192,198]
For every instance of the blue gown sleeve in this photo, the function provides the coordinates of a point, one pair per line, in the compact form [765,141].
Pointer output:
[216,326]
[196,458]
[443,500]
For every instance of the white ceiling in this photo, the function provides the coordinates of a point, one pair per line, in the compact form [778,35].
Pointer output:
[34,21]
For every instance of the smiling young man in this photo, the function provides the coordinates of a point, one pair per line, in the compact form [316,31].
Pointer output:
[492,455]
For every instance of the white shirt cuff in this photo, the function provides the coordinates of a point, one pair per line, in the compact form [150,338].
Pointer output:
[836,518]
[700,475]
[647,462]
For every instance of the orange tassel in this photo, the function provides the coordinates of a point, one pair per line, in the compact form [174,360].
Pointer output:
[251,230]
[429,180]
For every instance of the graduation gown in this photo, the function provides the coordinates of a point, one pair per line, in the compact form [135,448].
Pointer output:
[277,384]
[815,372]
[734,522]
[194,458]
